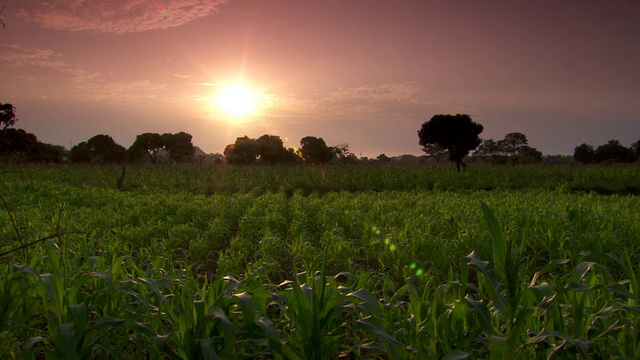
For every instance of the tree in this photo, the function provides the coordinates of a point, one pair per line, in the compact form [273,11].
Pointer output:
[179,145]
[47,153]
[244,151]
[383,158]
[270,149]
[342,153]
[17,142]
[513,144]
[613,151]
[7,115]
[101,149]
[636,148]
[435,152]
[267,149]
[490,149]
[456,133]
[314,150]
[528,154]
[584,153]
[148,144]
[1,21]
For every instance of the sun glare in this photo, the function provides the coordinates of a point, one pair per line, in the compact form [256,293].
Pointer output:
[237,101]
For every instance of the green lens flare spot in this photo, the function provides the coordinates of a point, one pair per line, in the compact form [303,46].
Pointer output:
[419,272]
[392,247]
[412,266]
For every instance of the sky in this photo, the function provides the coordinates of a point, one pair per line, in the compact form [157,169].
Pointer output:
[367,73]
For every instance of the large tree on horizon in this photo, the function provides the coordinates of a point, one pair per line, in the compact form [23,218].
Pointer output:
[7,115]
[456,133]
[100,149]
[314,150]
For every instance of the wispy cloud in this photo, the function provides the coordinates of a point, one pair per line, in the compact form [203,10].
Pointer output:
[363,102]
[115,16]
[16,56]
[35,65]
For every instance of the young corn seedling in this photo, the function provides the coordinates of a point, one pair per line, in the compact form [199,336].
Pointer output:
[73,334]
[509,312]
[317,312]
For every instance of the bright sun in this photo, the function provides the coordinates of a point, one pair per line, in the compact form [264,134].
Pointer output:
[237,101]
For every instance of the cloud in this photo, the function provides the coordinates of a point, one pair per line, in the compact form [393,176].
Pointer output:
[388,101]
[115,16]
[34,65]
[16,56]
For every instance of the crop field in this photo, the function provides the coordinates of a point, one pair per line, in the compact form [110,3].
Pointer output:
[333,262]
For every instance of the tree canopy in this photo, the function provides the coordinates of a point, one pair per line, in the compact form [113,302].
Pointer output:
[101,149]
[177,146]
[314,150]
[147,144]
[584,153]
[514,148]
[456,133]
[7,115]
[613,151]
[267,149]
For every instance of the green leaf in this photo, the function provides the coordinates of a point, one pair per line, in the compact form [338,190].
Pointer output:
[581,344]
[375,327]
[484,315]
[456,355]
[498,299]
[371,304]
[500,255]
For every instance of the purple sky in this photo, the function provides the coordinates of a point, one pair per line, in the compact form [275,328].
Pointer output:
[363,72]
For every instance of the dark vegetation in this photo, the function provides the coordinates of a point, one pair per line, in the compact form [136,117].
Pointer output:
[444,136]
[457,134]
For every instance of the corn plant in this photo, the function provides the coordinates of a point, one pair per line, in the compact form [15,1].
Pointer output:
[316,312]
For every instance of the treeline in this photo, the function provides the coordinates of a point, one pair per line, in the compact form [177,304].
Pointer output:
[18,145]
[438,142]
[611,152]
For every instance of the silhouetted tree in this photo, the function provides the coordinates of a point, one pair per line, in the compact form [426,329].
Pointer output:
[383,158]
[513,148]
[314,150]
[101,149]
[613,151]
[513,144]
[47,153]
[456,133]
[584,153]
[636,148]
[489,149]
[7,115]
[17,142]
[528,154]
[435,151]
[270,149]
[243,152]
[343,155]
[1,21]
[81,153]
[147,144]
[179,145]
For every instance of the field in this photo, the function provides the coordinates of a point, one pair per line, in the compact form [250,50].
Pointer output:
[400,262]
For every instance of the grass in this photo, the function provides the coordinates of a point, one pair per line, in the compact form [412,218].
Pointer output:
[325,262]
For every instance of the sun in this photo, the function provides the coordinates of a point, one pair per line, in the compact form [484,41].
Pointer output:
[237,101]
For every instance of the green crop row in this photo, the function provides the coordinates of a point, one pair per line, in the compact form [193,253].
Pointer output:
[169,270]
[379,231]
[612,179]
